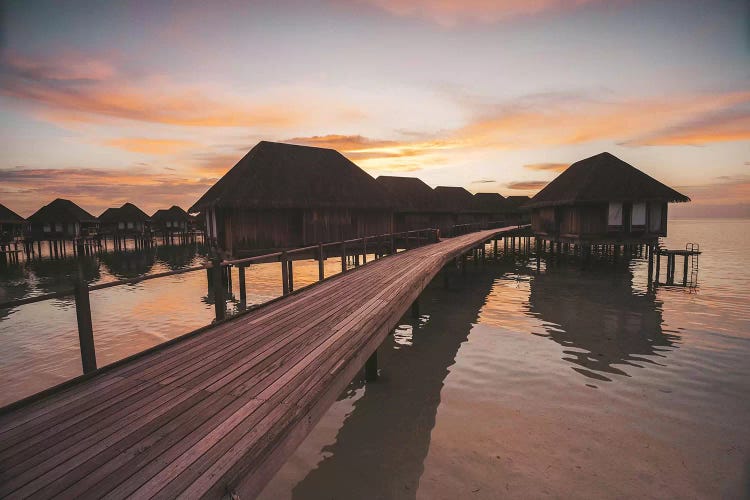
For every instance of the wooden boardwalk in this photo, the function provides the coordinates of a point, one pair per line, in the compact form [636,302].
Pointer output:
[219,412]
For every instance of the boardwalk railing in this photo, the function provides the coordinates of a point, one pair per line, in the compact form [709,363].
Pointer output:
[379,245]
[461,229]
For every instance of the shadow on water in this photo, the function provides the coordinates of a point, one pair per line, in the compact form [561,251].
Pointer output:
[14,285]
[603,324]
[380,449]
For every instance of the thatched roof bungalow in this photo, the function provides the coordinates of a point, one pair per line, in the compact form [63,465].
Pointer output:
[61,220]
[283,195]
[172,220]
[492,207]
[455,205]
[125,220]
[412,200]
[603,199]
[11,224]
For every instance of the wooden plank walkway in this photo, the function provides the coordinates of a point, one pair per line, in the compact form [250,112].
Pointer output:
[217,413]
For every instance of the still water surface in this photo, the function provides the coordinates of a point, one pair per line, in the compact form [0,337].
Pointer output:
[566,382]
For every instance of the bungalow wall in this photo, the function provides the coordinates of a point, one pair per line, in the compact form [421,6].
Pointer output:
[410,221]
[125,228]
[43,231]
[612,221]
[238,230]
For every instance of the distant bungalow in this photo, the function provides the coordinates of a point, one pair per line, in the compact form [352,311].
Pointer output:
[413,202]
[492,207]
[11,224]
[457,206]
[172,220]
[283,195]
[61,220]
[127,220]
[602,199]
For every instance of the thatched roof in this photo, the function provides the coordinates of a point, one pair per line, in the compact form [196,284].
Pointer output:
[454,199]
[489,202]
[8,216]
[277,175]
[603,178]
[126,213]
[408,193]
[62,210]
[173,213]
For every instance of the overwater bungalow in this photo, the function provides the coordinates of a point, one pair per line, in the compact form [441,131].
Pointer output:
[125,221]
[61,220]
[491,207]
[517,210]
[283,195]
[603,200]
[412,200]
[455,206]
[170,221]
[11,224]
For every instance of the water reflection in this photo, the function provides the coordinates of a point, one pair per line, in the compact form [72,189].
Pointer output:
[380,449]
[57,275]
[602,323]
[124,265]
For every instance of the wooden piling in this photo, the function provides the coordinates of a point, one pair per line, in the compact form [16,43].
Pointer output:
[321,265]
[85,326]
[284,273]
[243,288]
[217,284]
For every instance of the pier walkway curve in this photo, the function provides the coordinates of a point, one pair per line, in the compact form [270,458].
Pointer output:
[217,413]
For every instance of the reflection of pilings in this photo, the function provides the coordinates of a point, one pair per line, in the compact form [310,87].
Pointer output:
[380,449]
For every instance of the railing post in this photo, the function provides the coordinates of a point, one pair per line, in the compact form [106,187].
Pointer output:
[393,244]
[364,250]
[243,288]
[284,274]
[291,275]
[217,283]
[321,267]
[343,257]
[85,326]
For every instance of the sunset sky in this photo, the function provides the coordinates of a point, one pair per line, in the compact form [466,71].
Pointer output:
[151,102]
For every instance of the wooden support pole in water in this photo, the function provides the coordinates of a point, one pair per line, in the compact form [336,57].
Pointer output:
[505,246]
[243,288]
[463,264]
[415,308]
[85,326]
[684,270]
[658,266]
[343,257]
[650,250]
[371,367]
[217,285]
[321,266]
[284,273]
[495,249]
[364,250]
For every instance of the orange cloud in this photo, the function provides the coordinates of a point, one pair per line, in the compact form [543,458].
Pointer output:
[526,185]
[547,167]
[93,92]
[450,13]
[150,146]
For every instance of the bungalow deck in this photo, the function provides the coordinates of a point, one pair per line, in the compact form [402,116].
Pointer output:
[217,413]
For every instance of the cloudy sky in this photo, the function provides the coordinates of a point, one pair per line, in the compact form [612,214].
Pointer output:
[151,102]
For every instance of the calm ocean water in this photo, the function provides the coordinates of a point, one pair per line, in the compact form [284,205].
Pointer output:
[566,382]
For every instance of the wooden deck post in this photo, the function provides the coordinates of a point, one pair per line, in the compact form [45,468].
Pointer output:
[243,288]
[650,250]
[284,274]
[217,284]
[364,250]
[371,367]
[85,326]
[321,266]
[291,275]
[495,249]
[343,257]
[658,266]
[684,269]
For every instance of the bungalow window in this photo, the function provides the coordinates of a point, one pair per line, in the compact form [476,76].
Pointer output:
[169,223]
[654,217]
[120,225]
[130,225]
[47,228]
[639,215]
[58,227]
[615,214]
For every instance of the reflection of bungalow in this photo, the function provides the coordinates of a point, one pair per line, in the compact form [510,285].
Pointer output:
[128,220]
[413,202]
[455,205]
[61,220]
[282,195]
[603,199]
[173,220]
[11,224]
[491,207]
